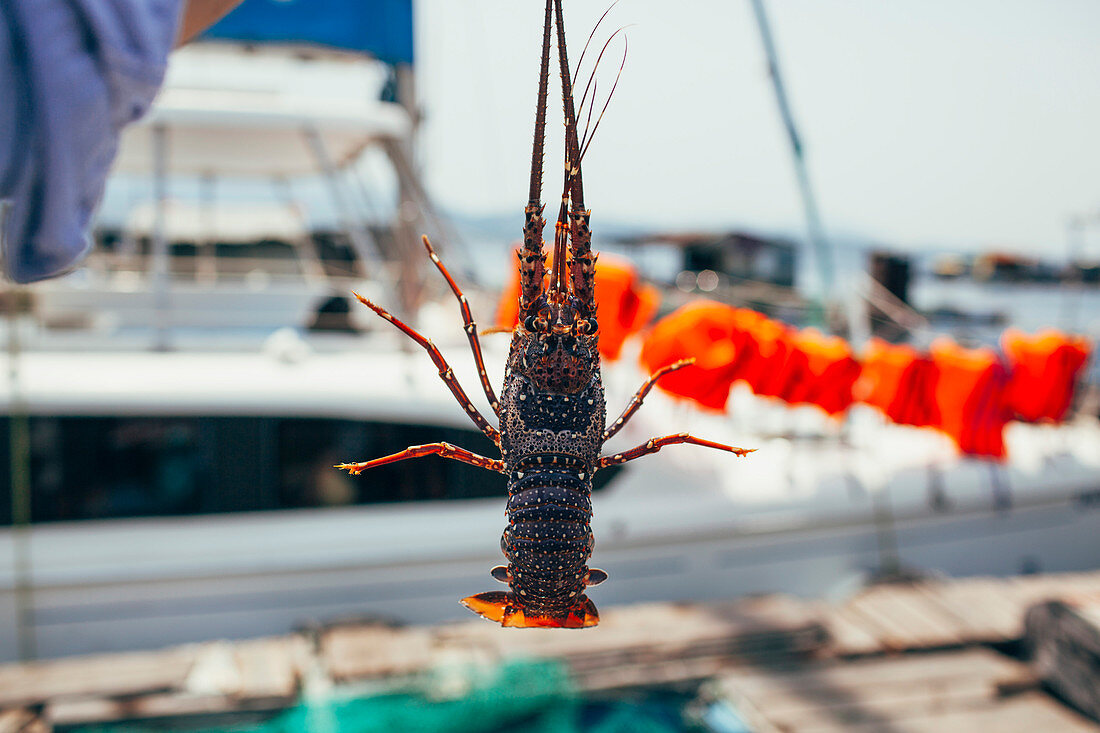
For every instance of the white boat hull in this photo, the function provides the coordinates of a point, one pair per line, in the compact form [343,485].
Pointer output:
[140,584]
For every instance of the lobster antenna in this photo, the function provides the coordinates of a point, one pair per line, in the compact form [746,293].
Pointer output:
[572,145]
[558,279]
[540,113]
[592,86]
[588,115]
[580,61]
[592,76]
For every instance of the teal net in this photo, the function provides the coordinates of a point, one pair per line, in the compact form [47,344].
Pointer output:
[532,696]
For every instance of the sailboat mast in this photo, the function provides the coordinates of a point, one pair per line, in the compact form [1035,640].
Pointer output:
[823,254]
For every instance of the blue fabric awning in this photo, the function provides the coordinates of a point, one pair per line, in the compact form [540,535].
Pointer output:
[381,28]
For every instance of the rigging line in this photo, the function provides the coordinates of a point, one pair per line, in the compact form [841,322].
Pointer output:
[822,252]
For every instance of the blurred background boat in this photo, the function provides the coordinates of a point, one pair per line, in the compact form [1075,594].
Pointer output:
[206,229]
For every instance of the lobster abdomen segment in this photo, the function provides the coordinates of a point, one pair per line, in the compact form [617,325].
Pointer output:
[549,538]
[547,543]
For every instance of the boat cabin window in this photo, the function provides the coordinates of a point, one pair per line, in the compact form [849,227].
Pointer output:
[270,257]
[116,467]
[223,261]
[337,255]
[322,254]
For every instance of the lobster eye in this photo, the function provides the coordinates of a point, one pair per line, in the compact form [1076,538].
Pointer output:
[587,326]
[529,323]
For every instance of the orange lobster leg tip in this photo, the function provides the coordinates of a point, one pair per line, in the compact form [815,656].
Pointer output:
[364,301]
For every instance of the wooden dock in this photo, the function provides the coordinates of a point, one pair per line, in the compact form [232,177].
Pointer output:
[965,691]
[904,657]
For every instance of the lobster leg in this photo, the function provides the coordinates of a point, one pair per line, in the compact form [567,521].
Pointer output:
[443,450]
[445,371]
[655,444]
[636,401]
[470,327]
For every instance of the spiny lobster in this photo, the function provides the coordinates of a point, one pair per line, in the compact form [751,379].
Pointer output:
[552,412]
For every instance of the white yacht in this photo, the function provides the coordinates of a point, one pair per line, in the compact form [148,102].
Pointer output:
[187,496]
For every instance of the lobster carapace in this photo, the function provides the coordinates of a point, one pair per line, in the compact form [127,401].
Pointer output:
[551,412]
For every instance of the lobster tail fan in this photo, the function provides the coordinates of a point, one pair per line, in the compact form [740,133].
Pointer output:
[493,605]
[508,611]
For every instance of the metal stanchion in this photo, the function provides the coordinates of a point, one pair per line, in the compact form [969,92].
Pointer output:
[19,448]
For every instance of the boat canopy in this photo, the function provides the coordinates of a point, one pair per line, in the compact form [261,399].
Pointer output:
[240,134]
[221,221]
[381,28]
[231,113]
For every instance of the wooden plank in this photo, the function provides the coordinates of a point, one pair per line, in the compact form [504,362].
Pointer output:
[848,637]
[943,626]
[1031,713]
[888,672]
[271,668]
[888,634]
[860,706]
[157,706]
[99,676]
[648,675]
[257,668]
[349,653]
[942,692]
[985,610]
[910,619]
[17,720]
[943,613]
[852,633]
[945,595]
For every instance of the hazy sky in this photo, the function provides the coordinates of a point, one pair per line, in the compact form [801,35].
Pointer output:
[958,122]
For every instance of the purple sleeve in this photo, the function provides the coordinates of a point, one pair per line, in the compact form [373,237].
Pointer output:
[74,72]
